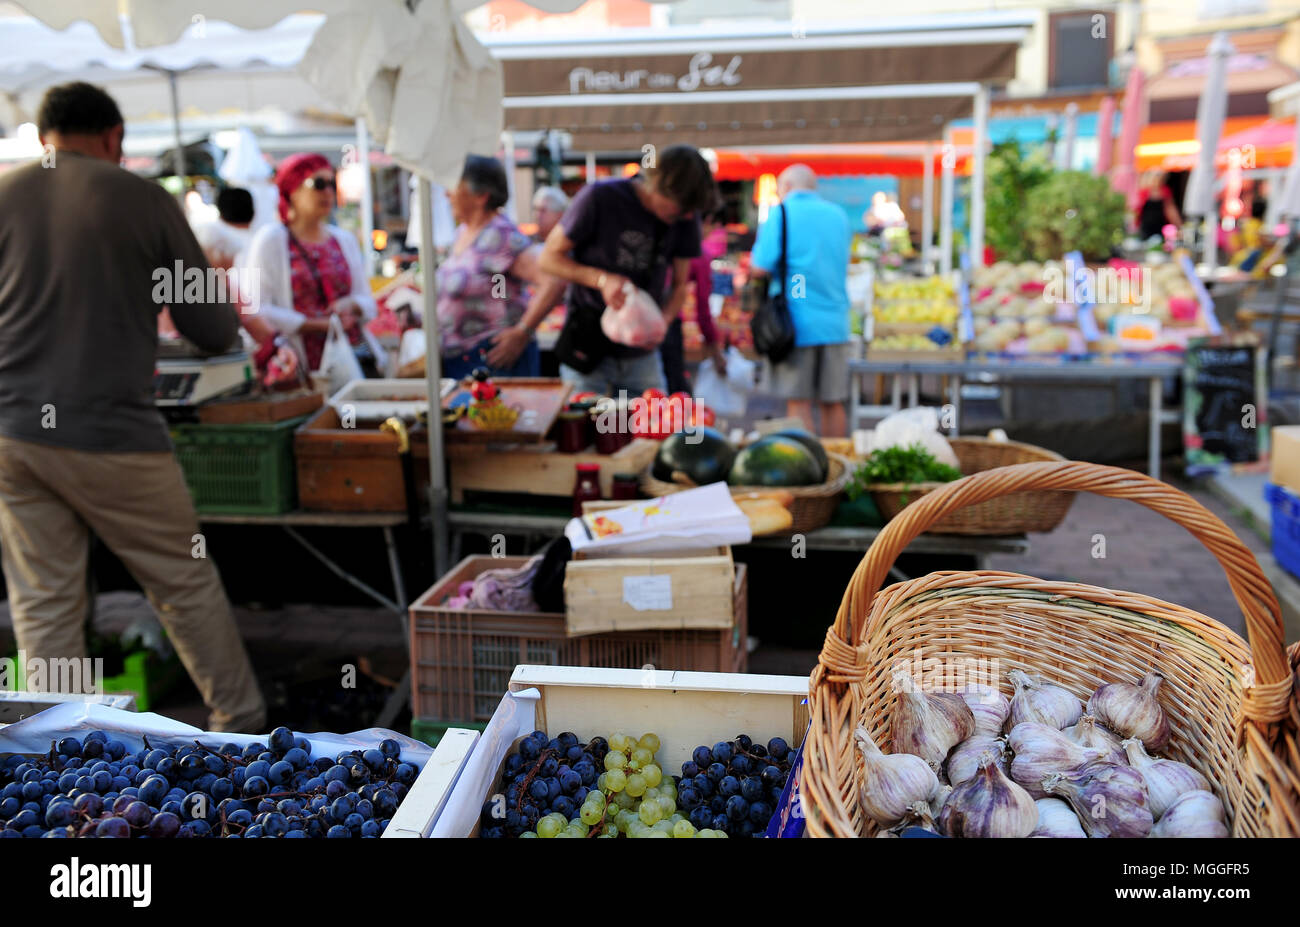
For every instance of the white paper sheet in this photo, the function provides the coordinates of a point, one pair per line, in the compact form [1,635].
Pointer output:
[687,520]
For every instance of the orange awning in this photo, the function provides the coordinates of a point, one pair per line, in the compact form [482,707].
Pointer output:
[832,160]
[1172,146]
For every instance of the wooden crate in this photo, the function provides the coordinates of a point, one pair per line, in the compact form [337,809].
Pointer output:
[461,659]
[419,810]
[347,469]
[264,410]
[690,589]
[537,469]
[684,709]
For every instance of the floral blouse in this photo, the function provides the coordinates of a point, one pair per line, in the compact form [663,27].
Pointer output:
[478,296]
[335,279]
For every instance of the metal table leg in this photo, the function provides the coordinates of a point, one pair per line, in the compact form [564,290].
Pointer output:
[1153,437]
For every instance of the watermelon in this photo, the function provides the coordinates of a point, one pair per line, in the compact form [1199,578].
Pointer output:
[703,454]
[810,441]
[774,461]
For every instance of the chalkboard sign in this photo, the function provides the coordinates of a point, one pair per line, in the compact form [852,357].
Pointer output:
[1223,415]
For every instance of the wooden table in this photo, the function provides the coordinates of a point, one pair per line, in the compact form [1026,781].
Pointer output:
[386,522]
[843,539]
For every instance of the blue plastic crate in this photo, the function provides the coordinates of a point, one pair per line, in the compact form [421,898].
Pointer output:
[1286,527]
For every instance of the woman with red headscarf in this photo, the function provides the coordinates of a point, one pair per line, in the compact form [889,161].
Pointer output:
[308,270]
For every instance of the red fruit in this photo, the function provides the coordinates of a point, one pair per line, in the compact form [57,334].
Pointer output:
[703,415]
[654,394]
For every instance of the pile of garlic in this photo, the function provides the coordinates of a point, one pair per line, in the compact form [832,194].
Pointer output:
[1040,764]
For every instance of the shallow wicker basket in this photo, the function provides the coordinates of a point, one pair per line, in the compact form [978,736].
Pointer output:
[1231,705]
[1015,513]
[812,507]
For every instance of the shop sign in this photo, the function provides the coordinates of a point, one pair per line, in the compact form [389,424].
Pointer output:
[700,72]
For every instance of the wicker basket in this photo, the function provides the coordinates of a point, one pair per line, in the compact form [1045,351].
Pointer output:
[812,507]
[1231,705]
[1015,513]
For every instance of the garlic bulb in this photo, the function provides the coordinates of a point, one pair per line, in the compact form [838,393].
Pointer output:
[939,800]
[1165,779]
[1133,710]
[964,760]
[918,815]
[1192,814]
[989,706]
[1041,751]
[1035,700]
[1110,800]
[891,782]
[1088,733]
[929,726]
[988,805]
[1056,819]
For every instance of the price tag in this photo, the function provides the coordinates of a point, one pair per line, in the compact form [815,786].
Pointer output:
[648,593]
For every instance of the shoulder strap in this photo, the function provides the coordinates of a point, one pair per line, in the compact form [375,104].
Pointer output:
[781,266]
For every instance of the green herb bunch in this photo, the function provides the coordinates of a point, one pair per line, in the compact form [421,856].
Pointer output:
[900,465]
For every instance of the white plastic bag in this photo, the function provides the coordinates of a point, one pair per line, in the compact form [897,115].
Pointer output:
[727,396]
[915,426]
[337,361]
[639,324]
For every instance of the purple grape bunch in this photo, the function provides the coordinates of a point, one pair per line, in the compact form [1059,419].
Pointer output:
[98,787]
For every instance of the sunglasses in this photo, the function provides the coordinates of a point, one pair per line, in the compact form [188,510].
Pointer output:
[319,183]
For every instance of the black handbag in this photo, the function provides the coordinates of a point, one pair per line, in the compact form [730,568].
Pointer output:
[772,327]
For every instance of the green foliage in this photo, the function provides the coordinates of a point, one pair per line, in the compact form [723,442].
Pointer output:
[1073,210]
[1008,181]
[900,465]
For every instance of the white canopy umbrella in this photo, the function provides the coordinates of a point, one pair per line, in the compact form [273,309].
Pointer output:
[1210,113]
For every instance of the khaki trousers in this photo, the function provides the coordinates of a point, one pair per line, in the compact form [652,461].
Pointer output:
[139,506]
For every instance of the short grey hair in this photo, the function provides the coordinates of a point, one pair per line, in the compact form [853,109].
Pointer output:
[551,198]
[796,177]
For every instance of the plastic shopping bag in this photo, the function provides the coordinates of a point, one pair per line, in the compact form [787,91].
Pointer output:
[727,396]
[337,360]
[639,324]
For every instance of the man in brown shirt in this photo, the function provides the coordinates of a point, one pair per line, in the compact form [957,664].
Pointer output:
[82,446]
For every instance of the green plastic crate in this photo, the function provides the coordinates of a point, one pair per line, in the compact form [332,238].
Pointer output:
[430,732]
[148,680]
[239,469]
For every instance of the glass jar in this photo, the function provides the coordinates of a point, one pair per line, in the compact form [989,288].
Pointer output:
[625,487]
[571,431]
[586,488]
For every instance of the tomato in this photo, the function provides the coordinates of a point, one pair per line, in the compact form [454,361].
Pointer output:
[654,394]
[683,398]
[703,415]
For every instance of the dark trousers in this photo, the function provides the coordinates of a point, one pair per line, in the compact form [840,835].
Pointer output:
[673,353]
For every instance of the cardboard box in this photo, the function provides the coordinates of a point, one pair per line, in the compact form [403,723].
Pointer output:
[1286,457]
[690,590]
[683,709]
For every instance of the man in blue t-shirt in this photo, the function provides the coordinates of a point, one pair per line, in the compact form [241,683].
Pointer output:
[817,265]
[634,229]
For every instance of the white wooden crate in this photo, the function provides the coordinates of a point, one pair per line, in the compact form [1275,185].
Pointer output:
[429,793]
[684,709]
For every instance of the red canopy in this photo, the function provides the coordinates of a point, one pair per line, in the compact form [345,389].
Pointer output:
[854,160]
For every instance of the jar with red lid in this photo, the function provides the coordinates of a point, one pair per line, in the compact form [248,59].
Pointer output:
[586,488]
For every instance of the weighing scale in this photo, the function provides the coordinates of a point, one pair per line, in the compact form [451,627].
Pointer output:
[182,378]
